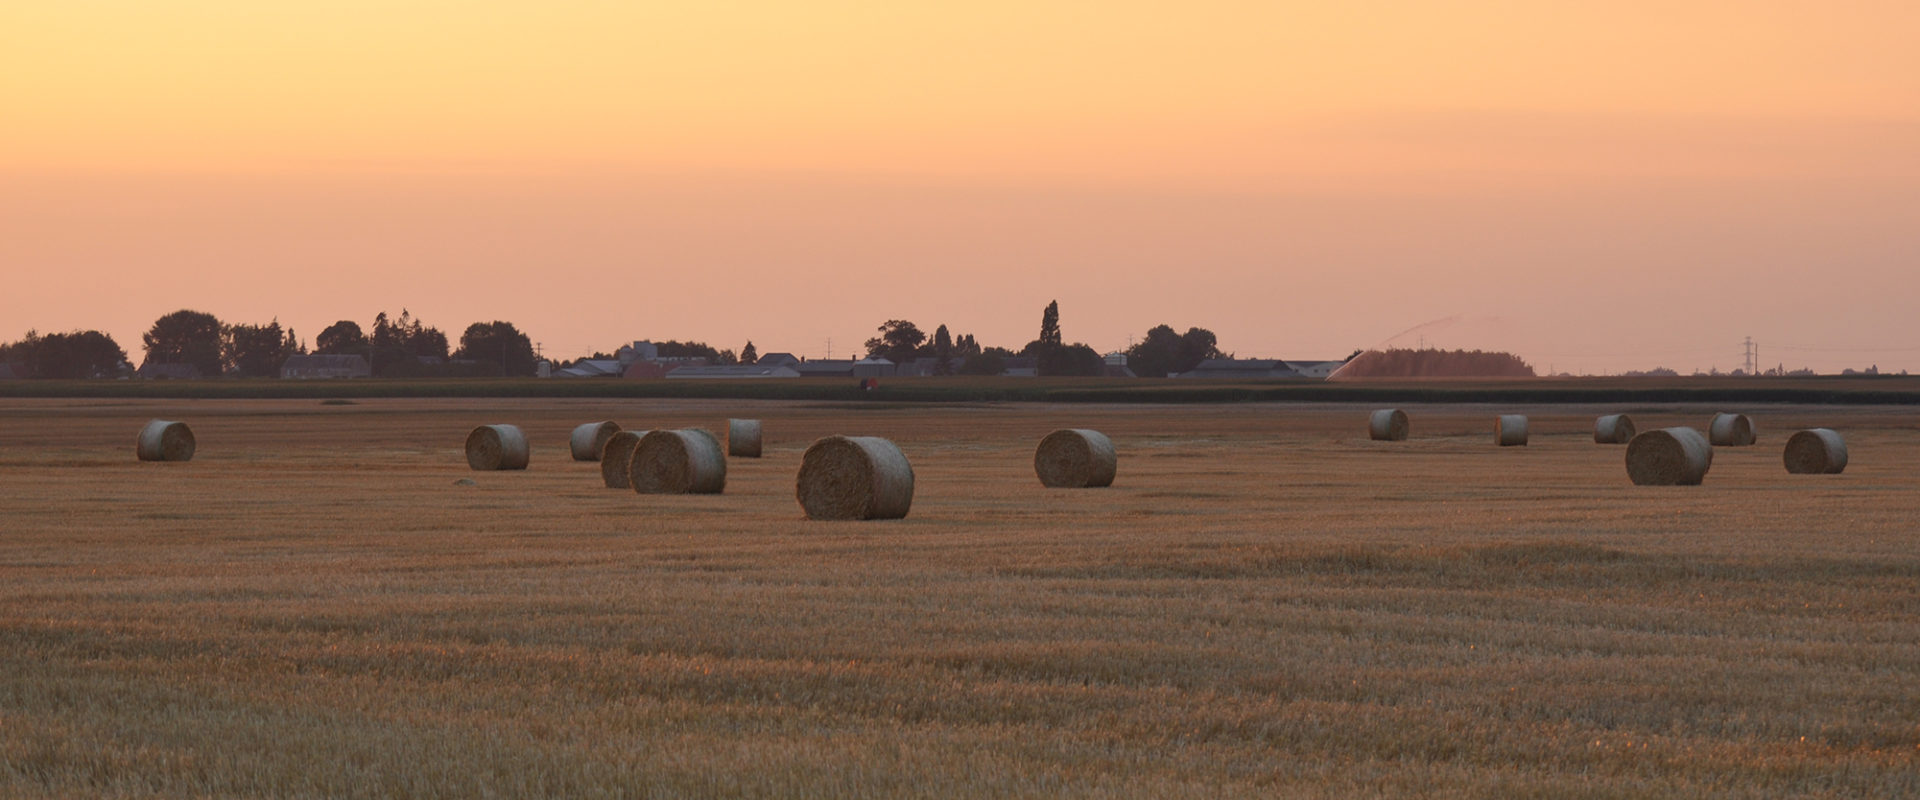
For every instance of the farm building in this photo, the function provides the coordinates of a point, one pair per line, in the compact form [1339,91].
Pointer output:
[1021,367]
[826,368]
[735,371]
[591,368]
[1315,369]
[659,369]
[874,368]
[779,360]
[638,351]
[1217,368]
[326,366]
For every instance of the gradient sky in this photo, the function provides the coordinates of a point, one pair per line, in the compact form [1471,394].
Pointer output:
[1596,186]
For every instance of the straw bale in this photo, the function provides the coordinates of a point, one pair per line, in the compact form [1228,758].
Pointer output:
[1731,430]
[1669,457]
[1510,430]
[1613,429]
[617,457]
[589,439]
[492,447]
[854,477]
[164,440]
[1388,425]
[1075,458]
[686,461]
[1817,451]
[743,438]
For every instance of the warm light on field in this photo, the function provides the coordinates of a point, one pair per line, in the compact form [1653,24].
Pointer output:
[1265,602]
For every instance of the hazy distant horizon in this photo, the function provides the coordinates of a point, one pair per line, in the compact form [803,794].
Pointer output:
[1594,189]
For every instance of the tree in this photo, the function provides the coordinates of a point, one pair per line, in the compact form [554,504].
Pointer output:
[498,345]
[748,355]
[726,358]
[675,349]
[341,338]
[1050,325]
[1079,359]
[80,354]
[987,362]
[185,337]
[257,351]
[1053,357]
[942,351]
[899,341]
[399,346]
[1164,352]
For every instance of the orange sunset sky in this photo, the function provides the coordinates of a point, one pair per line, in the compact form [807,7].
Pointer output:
[1595,186]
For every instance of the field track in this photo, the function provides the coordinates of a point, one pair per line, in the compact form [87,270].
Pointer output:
[1264,604]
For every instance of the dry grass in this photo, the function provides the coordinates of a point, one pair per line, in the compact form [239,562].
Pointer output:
[1267,604]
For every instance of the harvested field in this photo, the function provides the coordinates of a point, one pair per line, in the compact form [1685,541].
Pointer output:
[1270,604]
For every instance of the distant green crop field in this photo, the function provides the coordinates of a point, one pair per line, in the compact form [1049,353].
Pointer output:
[1852,390]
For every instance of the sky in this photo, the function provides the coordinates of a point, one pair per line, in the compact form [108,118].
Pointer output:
[1594,186]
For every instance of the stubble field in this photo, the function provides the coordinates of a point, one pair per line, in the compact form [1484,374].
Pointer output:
[1265,604]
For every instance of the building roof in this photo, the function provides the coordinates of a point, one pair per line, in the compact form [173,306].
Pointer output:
[736,371]
[829,367]
[1241,368]
[591,368]
[778,359]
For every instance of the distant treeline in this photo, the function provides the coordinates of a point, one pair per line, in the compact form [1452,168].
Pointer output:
[198,344]
[1429,363]
[190,343]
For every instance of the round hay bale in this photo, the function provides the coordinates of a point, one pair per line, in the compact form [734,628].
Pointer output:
[164,440]
[1817,451]
[1731,430]
[854,477]
[686,461]
[492,447]
[1510,430]
[1388,425]
[617,457]
[1074,458]
[589,439]
[1669,457]
[1613,429]
[743,438]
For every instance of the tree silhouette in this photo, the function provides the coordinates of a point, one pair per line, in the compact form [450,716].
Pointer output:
[899,341]
[1163,352]
[257,351]
[185,337]
[942,351]
[341,338]
[748,355]
[399,345]
[1053,357]
[498,345]
[80,354]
